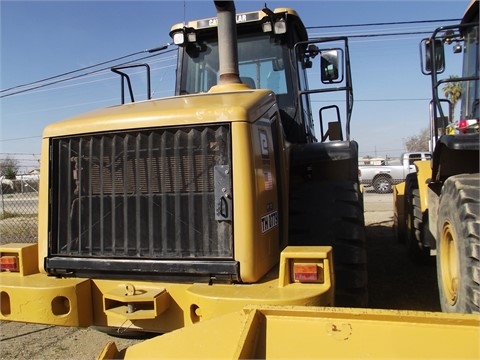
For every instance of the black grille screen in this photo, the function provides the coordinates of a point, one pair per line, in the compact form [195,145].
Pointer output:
[144,194]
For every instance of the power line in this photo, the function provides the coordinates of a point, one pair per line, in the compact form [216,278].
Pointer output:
[20,154]
[163,47]
[70,72]
[380,24]
[96,80]
[383,34]
[388,100]
[88,67]
[313,101]
[390,34]
[373,100]
[84,74]
[23,160]
[22,138]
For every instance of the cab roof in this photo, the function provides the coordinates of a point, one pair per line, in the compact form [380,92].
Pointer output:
[247,17]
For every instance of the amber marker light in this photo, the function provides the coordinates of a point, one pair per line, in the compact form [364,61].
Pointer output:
[8,263]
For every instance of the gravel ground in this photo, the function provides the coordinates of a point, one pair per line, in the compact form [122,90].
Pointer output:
[394,283]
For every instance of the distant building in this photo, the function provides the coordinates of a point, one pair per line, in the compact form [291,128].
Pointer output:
[31,175]
[371,161]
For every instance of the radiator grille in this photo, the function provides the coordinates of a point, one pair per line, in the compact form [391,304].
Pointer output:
[146,194]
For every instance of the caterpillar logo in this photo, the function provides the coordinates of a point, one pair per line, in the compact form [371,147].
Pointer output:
[269,221]
[240,18]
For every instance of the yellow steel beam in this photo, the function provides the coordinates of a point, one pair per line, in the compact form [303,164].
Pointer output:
[317,332]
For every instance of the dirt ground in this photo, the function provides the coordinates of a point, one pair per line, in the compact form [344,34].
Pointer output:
[394,283]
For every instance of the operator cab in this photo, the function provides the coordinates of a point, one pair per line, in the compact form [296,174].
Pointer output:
[274,53]
[463,38]
[454,137]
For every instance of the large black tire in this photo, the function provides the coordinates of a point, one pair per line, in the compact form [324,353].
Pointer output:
[416,222]
[331,213]
[382,184]
[458,245]
[411,183]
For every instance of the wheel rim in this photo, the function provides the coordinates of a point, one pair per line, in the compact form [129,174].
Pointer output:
[383,186]
[449,264]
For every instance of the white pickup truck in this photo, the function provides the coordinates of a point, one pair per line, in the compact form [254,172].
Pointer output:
[382,177]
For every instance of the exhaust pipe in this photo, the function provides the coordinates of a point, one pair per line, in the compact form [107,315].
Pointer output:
[227,42]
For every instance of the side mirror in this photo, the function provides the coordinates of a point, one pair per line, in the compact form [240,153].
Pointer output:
[434,49]
[329,65]
[310,52]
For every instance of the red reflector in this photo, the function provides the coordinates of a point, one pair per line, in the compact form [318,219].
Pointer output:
[305,272]
[462,124]
[8,263]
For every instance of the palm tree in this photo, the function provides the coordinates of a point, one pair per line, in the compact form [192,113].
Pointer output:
[453,92]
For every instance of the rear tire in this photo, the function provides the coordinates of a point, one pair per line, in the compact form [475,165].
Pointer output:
[416,223]
[458,257]
[331,213]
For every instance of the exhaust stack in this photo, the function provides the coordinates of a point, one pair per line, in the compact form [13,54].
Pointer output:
[227,42]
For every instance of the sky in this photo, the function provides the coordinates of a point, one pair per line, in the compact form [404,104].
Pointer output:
[42,39]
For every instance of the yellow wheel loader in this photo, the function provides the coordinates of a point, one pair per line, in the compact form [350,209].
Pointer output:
[158,214]
[218,215]
[437,209]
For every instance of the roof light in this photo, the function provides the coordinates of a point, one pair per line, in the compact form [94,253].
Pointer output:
[280,27]
[267,26]
[191,36]
[178,38]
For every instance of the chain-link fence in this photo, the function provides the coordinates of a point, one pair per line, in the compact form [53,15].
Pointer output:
[18,210]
